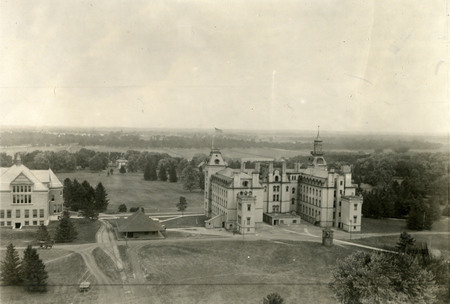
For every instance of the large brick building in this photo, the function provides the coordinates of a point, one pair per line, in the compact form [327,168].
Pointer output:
[28,197]
[241,198]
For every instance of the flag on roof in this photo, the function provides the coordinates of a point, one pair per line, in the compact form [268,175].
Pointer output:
[218,130]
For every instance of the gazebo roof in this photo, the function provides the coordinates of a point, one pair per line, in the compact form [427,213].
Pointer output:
[139,222]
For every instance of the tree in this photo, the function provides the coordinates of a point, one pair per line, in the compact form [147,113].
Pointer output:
[10,268]
[67,193]
[173,178]
[42,234]
[33,271]
[381,277]
[273,298]
[101,198]
[405,241]
[190,178]
[122,170]
[182,205]
[150,172]
[122,208]
[162,174]
[97,163]
[66,231]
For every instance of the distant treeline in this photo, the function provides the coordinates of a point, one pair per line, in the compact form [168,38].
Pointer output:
[134,140]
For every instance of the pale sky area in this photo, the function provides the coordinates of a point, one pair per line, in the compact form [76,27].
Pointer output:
[344,65]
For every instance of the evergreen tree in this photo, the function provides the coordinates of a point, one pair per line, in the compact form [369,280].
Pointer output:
[150,172]
[190,178]
[66,231]
[34,274]
[10,268]
[77,196]
[405,241]
[273,298]
[182,205]
[162,174]
[88,206]
[42,234]
[173,174]
[67,193]
[122,208]
[101,198]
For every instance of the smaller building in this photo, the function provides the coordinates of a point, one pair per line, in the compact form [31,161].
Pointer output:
[122,163]
[139,226]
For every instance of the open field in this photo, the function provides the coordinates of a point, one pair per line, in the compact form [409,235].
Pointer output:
[131,189]
[65,275]
[238,272]
[27,236]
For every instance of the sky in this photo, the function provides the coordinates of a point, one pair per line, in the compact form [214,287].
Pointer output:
[256,64]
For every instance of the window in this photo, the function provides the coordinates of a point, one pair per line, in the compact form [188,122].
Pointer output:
[340,203]
[34,223]
[334,193]
[249,207]
[248,221]
[2,223]
[276,178]
[340,191]
[34,214]
[287,188]
[8,223]
[41,212]
[293,190]
[294,221]
[8,213]
[239,219]
[27,223]
[27,213]
[265,188]
[53,198]
[355,207]
[18,213]
[54,208]
[339,214]
[340,183]
[2,213]
[293,201]
[355,219]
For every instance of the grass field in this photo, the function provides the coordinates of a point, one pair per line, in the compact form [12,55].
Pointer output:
[131,189]
[238,272]
[65,275]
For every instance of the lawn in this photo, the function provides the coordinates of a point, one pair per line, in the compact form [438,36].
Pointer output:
[65,276]
[27,235]
[132,190]
[238,272]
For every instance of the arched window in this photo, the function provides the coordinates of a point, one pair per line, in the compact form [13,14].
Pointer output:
[293,190]
[287,188]
[276,178]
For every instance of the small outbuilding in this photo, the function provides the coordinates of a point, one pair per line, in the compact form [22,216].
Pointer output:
[140,226]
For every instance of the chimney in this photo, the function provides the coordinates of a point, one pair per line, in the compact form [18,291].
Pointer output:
[271,167]
[257,167]
[283,166]
[242,165]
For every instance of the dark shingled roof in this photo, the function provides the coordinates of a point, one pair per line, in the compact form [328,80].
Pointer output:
[139,222]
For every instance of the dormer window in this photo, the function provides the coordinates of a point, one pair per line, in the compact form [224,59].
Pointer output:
[245,183]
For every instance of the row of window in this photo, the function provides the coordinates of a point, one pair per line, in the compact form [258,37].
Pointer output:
[26,223]
[315,202]
[21,188]
[22,199]
[293,178]
[277,189]
[309,211]
[18,214]
[311,190]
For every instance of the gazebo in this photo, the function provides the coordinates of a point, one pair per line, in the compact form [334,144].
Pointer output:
[140,226]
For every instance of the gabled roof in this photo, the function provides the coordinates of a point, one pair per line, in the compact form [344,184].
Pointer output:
[20,171]
[48,177]
[139,222]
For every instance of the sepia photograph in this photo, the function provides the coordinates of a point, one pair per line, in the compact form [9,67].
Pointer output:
[225,151]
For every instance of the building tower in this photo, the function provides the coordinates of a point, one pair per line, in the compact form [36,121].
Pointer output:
[214,164]
[318,160]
